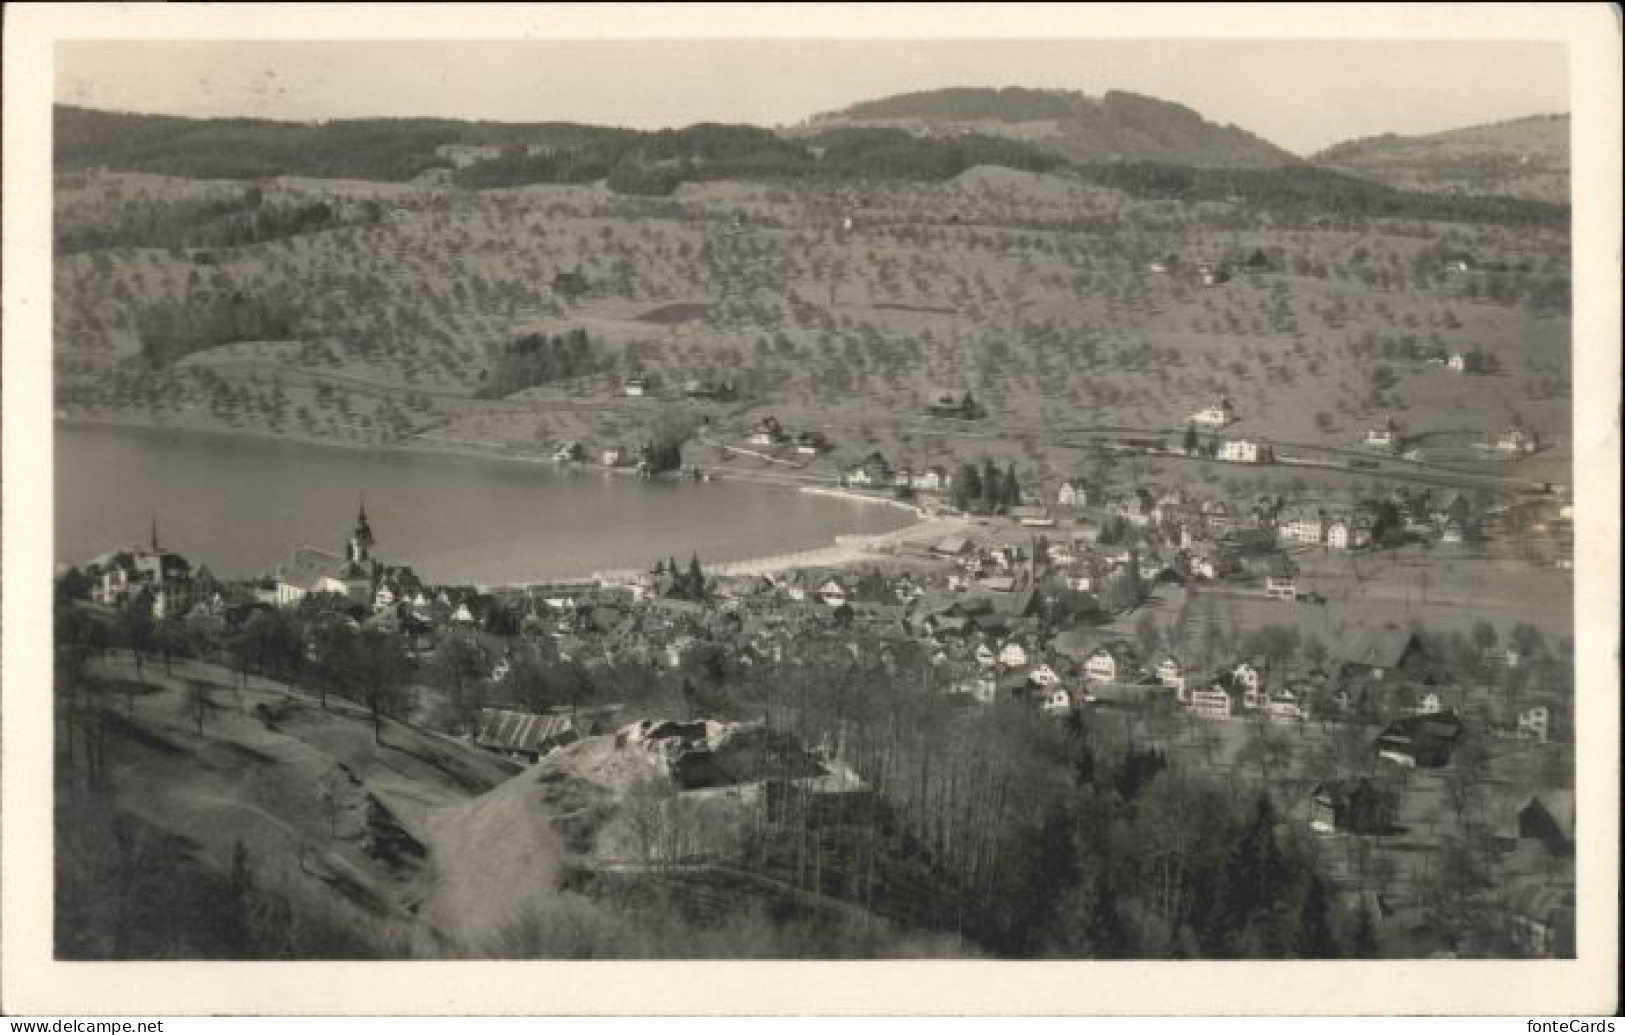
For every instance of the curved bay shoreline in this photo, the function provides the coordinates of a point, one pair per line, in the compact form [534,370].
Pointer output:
[846,549]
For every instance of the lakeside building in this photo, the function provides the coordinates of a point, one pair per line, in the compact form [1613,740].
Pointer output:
[164,575]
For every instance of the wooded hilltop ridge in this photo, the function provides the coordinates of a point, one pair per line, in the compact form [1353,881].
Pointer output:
[1147,147]
[1118,126]
[1523,158]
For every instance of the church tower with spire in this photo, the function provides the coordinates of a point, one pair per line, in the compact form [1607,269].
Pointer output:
[361,541]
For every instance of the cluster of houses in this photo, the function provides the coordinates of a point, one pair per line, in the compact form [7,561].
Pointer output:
[638,386]
[1236,450]
[1515,441]
[876,472]
[1200,528]
[769,434]
[1212,274]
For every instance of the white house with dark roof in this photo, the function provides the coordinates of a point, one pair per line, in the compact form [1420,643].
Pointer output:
[1073,493]
[1113,662]
[1221,415]
[1242,451]
[1517,441]
[1301,524]
[1171,673]
[1212,702]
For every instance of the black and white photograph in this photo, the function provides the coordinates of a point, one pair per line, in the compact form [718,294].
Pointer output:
[811,496]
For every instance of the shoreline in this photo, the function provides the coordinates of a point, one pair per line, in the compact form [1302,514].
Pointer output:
[419,447]
[845,549]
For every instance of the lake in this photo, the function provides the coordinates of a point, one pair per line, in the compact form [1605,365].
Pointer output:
[240,505]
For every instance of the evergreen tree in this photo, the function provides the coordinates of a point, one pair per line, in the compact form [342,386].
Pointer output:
[1108,933]
[1314,940]
[1011,489]
[696,578]
[1190,443]
[967,487]
[991,494]
[1253,874]
[1363,942]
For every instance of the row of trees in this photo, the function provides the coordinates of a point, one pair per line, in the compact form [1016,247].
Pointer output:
[1306,188]
[228,223]
[985,490]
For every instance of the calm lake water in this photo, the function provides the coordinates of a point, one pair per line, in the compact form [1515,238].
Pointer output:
[240,505]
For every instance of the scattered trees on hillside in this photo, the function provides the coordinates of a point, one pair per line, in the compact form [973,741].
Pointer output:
[170,331]
[537,359]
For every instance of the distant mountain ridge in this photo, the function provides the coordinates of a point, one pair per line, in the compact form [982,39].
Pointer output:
[1522,158]
[1116,127]
[481,155]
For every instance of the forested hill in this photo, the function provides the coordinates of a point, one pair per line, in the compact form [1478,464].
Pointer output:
[1525,158]
[242,148]
[490,154]
[1118,126]
[480,155]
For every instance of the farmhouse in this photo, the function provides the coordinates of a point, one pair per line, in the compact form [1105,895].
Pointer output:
[932,479]
[700,389]
[950,404]
[872,472]
[1548,817]
[1214,702]
[523,735]
[1111,663]
[1073,493]
[635,387]
[1243,451]
[1013,655]
[1058,701]
[1220,416]
[1516,441]
[1301,524]
[1379,651]
[1349,533]
[1383,436]
[1421,741]
[1286,704]
[1171,673]
[811,443]
[1281,587]
[1280,579]
[1043,675]
[1359,806]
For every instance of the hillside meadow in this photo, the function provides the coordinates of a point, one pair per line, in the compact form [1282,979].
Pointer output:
[837,305]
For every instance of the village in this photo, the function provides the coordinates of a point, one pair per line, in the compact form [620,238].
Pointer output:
[1264,636]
